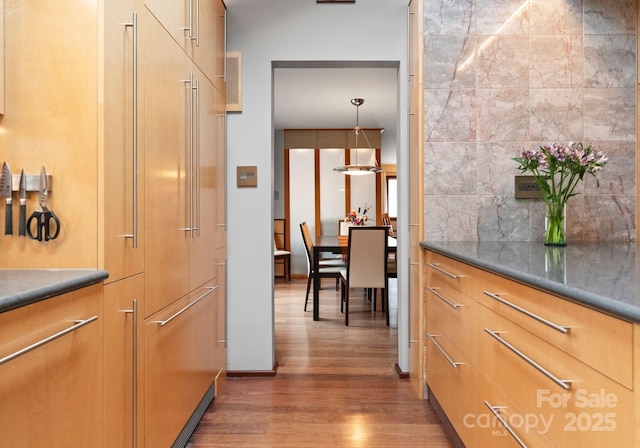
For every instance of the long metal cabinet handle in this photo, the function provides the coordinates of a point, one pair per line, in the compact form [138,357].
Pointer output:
[189,26]
[441,350]
[565,384]
[439,269]
[78,324]
[134,312]
[196,37]
[134,25]
[561,328]
[189,84]
[455,306]
[409,46]
[210,289]
[504,423]
[191,155]
[224,55]
[196,88]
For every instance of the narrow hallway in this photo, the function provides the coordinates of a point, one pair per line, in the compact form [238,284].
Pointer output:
[335,386]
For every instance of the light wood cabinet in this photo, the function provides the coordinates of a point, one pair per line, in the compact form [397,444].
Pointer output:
[181,157]
[121,141]
[124,361]
[560,396]
[51,395]
[452,377]
[575,329]
[130,125]
[180,363]
[549,372]
[70,107]
[198,26]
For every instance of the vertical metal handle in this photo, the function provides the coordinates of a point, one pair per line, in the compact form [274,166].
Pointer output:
[134,25]
[224,53]
[197,33]
[189,27]
[134,384]
[197,158]
[189,85]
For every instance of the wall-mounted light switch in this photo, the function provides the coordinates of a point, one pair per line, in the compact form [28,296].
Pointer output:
[527,188]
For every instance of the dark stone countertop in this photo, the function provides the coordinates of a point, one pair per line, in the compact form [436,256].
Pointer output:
[603,276]
[20,287]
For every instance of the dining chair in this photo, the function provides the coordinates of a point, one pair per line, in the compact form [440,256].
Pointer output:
[386,221]
[367,256]
[327,268]
[285,255]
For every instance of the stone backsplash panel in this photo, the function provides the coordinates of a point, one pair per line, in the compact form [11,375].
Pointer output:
[504,75]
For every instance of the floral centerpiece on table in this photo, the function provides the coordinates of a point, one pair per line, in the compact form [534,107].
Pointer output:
[557,169]
[358,218]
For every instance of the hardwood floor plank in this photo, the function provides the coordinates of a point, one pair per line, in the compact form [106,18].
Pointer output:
[336,386]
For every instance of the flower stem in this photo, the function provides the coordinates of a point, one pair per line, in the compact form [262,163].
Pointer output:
[555,231]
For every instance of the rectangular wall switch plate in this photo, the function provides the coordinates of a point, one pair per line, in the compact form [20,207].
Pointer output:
[527,188]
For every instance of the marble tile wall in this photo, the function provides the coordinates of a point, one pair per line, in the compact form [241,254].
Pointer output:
[504,75]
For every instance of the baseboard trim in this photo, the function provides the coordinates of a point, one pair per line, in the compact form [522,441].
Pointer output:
[185,435]
[402,375]
[446,423]
[253,373]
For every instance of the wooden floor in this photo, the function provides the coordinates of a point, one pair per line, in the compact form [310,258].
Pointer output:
[335,387]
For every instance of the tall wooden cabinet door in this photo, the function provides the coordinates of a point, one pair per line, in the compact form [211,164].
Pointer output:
[166,120]
[202,46]
[123,357]
[50,396]
[221,170]
[202,182]
[179,363]
[220,36]
[122,154]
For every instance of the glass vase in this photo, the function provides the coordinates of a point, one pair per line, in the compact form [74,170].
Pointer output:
[555,224]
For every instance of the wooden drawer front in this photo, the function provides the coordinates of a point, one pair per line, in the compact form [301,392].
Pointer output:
[453,314]
[599,340]
[179,364]
[452,385]
[505,431]
[49,396]
[443,270]
[590,410]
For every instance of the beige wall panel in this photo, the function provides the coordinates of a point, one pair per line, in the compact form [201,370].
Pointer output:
[333,138]
[300,138]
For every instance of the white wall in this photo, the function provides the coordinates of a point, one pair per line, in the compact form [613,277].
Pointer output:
[288,30]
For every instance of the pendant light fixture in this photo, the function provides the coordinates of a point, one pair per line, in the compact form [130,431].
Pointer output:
[356,168]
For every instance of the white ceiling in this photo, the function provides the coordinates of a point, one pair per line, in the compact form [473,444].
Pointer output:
[311,94]
[321,97]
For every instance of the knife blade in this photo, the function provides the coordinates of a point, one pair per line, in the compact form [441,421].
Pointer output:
[5,191]
[22,194]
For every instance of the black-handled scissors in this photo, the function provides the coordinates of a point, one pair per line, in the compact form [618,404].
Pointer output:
[39,224]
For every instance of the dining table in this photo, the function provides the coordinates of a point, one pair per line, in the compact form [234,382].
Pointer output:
[336,245]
